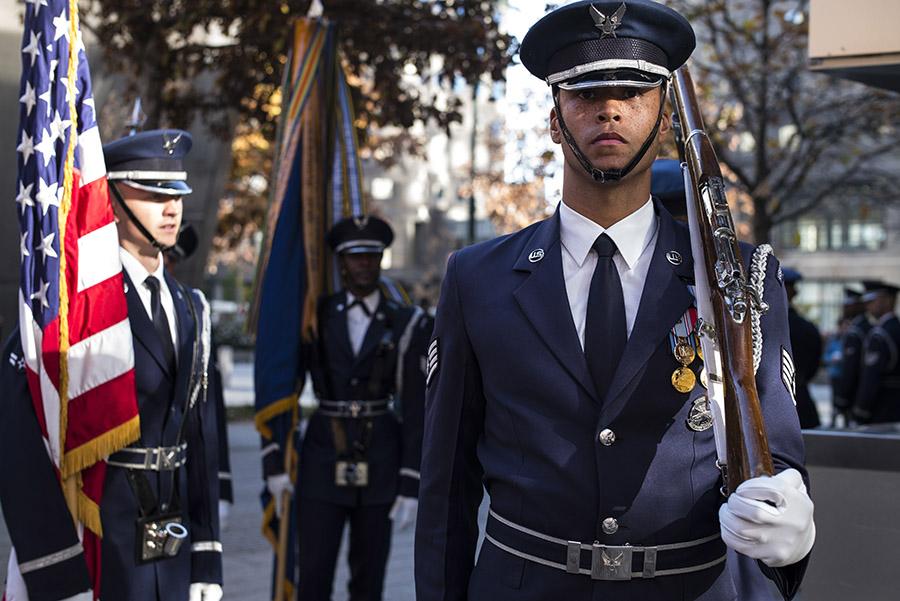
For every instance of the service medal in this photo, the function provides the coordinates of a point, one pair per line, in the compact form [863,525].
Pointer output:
[683,379]
[700,417]
[684,352]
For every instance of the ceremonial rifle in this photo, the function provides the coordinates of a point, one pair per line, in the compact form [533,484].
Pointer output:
[725,300]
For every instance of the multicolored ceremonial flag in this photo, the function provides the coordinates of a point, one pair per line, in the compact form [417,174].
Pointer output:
[73,317]
[316,182]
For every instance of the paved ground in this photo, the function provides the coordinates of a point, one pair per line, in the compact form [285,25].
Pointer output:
[248,559]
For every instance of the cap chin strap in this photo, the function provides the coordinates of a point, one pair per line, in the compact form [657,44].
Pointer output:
[140,226]
[611,175]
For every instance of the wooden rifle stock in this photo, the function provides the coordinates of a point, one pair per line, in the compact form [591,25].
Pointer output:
[732,299]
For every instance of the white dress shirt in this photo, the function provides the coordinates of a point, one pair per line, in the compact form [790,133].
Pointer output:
[357,319]
[138,274]
[635,238]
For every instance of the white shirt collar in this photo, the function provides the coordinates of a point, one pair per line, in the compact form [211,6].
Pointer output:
[631,235]
[370,300]
[137,272]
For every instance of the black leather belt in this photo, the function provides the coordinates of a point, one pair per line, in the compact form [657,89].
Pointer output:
[605,562]
[157,459]
[354,409]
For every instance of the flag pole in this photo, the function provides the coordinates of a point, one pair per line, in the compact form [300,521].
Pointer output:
[281,553]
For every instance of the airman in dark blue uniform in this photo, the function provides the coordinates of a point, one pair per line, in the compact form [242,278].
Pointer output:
[359,459]
[852,353]
[837,354]
[560,377]
[170,474]
[807,345]
[878,397]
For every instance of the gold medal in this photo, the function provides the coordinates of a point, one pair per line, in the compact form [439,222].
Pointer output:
[683,379]
[699,349]
[684,352]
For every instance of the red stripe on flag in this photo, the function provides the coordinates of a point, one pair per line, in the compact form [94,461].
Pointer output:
[101,409]
[92,480]
[91,208]
[93,310]
[50,351]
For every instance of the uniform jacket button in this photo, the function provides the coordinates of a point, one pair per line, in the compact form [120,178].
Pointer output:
[610,526]
[607,437]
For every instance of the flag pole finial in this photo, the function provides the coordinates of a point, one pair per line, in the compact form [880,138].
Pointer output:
[137,118]
[315,9]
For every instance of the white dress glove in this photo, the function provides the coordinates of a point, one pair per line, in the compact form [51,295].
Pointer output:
[770,519]
[224,511]
[278,485]
[202,591]
[403,512]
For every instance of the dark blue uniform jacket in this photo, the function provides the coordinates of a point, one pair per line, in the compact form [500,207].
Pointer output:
[807,345]
[511,407]
[851,361]
[33,506]
[878,397]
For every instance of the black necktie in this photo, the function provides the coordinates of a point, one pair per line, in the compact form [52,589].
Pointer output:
[160,322]
[358,302]
[605,333]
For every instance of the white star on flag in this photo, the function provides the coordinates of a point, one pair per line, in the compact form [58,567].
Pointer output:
[46,247]
[61,26]
[46,98]
[23,248]
[64,82]
[24,196]
[79,42]
[47,147]
[28,98]
[32,47]
[37,5]
[47,195]
[58,127]
[52,72]
[42,294]
[26,147]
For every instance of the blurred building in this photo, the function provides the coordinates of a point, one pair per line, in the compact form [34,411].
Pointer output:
[427,197]
[856,41]
[836,246]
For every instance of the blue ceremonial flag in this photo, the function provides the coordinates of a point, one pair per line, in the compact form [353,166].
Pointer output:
[317,181]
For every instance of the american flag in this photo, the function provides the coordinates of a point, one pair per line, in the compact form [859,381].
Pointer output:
[72,314]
